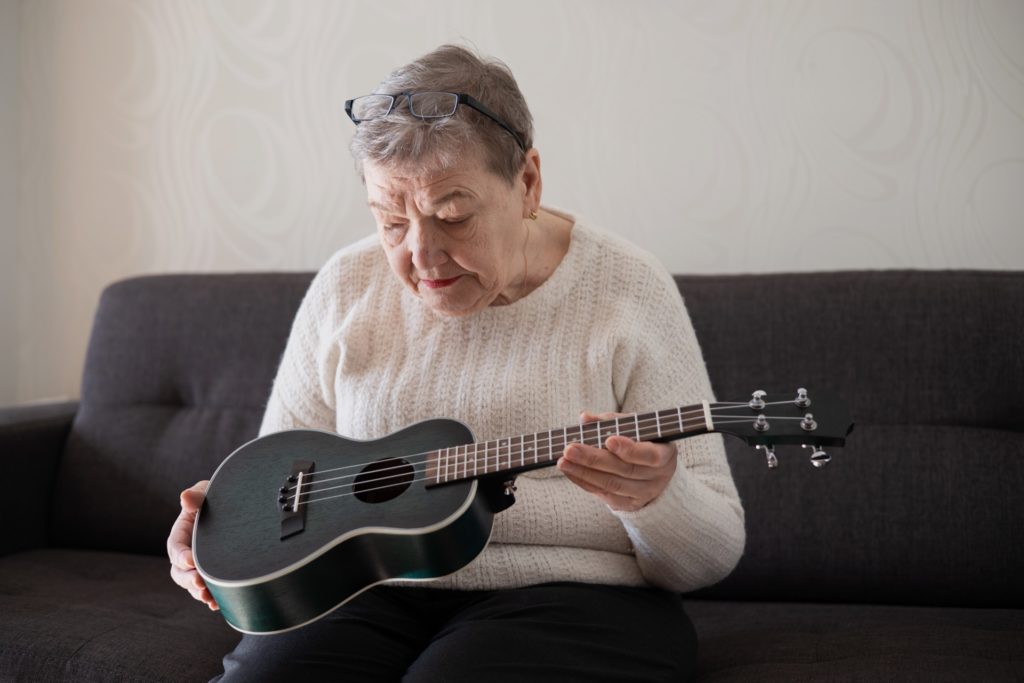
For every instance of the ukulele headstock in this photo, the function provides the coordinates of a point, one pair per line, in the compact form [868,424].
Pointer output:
[811,419]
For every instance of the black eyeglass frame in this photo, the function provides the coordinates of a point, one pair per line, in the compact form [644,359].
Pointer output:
[460,98]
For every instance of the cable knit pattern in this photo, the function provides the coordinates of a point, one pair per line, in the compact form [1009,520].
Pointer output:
[606,332]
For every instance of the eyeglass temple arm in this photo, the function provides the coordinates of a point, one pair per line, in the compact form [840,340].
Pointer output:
[482,108]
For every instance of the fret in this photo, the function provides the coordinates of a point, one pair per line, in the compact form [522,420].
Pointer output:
[657,422]
[595,438]
[636,422]
[483,462]
[497,456]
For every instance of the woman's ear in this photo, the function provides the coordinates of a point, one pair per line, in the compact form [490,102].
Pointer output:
[531,182]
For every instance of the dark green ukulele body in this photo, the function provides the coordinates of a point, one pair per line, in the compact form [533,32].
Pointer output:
[266,583]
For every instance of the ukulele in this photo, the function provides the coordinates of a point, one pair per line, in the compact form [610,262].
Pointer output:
[295,524]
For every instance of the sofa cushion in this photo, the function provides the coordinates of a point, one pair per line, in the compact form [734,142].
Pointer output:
[922,505]
[95,616]
[177,376]
[792,642]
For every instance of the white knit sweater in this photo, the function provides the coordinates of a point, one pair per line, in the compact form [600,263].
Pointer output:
[606,332]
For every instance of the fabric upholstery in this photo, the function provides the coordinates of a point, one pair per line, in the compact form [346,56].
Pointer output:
[922,504]
[176,377]
[85,616]
[793,642]
[31,440]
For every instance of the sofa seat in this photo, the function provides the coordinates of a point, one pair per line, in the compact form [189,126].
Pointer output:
[76,615]
[775,641]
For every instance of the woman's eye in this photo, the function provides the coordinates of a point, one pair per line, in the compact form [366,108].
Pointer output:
[456,221]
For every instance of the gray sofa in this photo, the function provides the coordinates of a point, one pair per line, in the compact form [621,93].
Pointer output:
[903,559]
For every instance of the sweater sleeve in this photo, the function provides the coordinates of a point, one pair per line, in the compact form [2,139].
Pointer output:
[303,392]
[693,534]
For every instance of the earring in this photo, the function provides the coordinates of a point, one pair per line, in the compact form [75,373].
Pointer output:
[533,215]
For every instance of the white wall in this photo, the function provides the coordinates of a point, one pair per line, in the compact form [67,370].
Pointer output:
[8,208]
[725,136]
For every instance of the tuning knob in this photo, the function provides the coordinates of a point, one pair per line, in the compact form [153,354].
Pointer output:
[757,400]
[761,423]
[808,424]
[769,452]
[802,400]
[819,458]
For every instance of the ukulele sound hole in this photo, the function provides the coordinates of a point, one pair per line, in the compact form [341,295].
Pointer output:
[383,480]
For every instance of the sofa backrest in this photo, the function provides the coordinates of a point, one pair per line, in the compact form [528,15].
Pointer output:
[177,374]
[923,505]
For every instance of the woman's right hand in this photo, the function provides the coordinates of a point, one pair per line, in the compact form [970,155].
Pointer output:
[179,546]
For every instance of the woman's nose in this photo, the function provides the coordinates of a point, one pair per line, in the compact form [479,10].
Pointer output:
[425,246]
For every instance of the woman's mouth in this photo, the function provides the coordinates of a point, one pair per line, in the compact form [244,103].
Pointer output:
[438,284]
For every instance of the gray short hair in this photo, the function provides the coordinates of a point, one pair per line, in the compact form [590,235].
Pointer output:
[402,139]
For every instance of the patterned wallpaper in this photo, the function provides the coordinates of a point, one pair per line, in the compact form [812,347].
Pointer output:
[724,135]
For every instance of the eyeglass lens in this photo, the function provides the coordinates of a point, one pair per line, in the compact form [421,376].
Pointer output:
[371,106]
[433,104]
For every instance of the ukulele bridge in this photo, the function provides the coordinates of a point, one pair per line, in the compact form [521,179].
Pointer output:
[293,497]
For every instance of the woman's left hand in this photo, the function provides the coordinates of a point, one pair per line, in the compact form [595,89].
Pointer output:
[625,474]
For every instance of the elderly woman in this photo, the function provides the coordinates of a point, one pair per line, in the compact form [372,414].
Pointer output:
[475,301]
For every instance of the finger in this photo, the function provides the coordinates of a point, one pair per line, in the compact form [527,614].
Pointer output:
[641,453]
[194,584]
[179,542]
[192,497]
[604,461]
[188,579]
[587,416]
[614,501]
[601,481]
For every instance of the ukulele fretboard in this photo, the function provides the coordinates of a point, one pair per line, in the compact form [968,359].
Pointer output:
[529,451]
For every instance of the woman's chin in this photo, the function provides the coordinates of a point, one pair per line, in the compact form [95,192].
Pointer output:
[449,302]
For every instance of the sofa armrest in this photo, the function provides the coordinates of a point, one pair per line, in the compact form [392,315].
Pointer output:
[31,441]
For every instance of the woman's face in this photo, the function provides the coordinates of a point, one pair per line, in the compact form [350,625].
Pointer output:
[455,237]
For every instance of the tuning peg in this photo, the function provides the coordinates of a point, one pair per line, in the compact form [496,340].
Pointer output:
[808,424]
[769,452]
[757,400]
[802,400]
[819,458]
[761,423]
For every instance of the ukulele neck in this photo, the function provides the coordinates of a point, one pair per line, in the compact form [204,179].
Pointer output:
[511,455]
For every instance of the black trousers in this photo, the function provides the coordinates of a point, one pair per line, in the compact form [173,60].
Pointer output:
[548,632]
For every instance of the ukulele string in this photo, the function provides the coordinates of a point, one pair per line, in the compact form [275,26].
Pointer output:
[465,468]
[481,459]
[696,419]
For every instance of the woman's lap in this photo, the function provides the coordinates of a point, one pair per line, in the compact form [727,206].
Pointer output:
[557,632]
